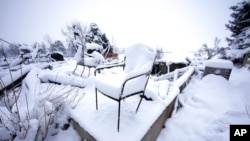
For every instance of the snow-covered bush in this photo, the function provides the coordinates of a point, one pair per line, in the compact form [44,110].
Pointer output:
[28,114]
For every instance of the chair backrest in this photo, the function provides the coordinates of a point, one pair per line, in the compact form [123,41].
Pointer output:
[139,59]
[139,56]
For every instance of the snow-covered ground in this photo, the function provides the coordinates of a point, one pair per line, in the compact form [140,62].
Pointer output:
[210,104]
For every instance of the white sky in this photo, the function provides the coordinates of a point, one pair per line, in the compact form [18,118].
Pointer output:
[171,24]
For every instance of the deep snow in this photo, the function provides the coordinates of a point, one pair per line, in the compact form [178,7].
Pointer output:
[210,104]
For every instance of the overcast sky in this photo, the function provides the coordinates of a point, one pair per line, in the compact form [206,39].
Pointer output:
[171,24]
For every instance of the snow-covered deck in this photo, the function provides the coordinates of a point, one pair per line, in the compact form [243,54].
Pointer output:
[146,124]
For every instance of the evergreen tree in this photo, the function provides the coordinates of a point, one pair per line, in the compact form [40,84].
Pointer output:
[78,34]
[94,35]
[239,25]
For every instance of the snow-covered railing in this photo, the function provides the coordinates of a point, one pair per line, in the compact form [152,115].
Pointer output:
[171,103]
[182,80]
[62,79]
[173,75]
[12,78]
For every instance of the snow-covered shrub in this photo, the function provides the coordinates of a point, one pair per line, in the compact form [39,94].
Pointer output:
[26,114]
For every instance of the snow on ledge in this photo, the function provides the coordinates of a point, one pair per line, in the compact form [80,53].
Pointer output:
[62,79]
[93,46]
[219,63]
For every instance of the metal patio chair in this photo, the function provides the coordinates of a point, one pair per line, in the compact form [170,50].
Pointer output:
[138,64]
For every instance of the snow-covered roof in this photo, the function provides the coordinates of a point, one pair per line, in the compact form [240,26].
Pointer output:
[176,57]
[219,63]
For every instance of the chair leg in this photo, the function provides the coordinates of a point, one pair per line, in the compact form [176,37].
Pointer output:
[139,103]
[75,69]
[96,101]
[119,110]
[83,70]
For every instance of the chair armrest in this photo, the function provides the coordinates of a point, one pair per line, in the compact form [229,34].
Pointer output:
[133,76]
[101,67]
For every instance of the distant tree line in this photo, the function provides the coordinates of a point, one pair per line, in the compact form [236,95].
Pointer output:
[76,34]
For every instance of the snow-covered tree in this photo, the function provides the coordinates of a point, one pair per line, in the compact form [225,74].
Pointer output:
[58,47]
[11,50]
[71,49]
[95,35]
[75,35]
[78,34]
[14,50]
[159,53]
[209,52]
[239,25]
[43,49]
[1,51]
[239,42]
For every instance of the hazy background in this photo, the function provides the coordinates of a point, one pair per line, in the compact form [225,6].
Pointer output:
[171,24]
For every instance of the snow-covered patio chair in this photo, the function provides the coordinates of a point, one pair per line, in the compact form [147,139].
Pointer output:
[89,60]
[132,81]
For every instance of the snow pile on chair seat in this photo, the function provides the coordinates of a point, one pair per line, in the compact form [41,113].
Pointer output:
[93,60]
[99,59]
[93,46]
[139,60]
[114,83]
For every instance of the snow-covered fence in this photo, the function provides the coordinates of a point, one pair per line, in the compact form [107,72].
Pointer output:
[173,76]
[182,81]
[163,67]
[13,78]
[171,101]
